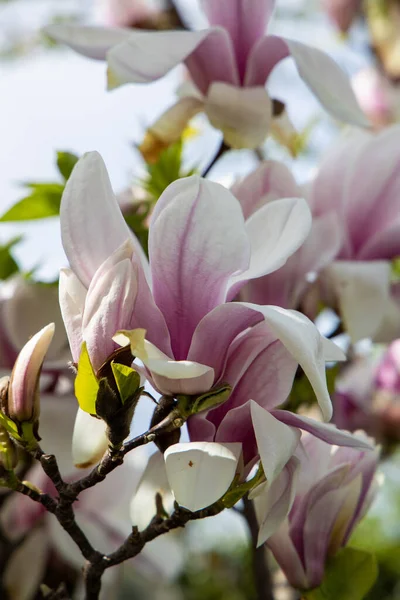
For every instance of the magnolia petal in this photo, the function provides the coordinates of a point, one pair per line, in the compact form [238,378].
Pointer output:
[146,56]
[109,306]
[242,114]
[169,127]
[276,231]
[362,289]
[89,440]
[263,57]
[328,82]
[169,376]
[287,557]
[324,431]
[27,566]
[154,480]
[319,526]
[199,473]
[245,21]
[270,181]
[72,295]
[304,342]
[274,502]
[92,225]
[23,404]
[276,442]
[197,241]
[93,42]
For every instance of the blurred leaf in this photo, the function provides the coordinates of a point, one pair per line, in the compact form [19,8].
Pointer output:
[350,574]
[66,162]
[43,202]
[8,265]
[167,169]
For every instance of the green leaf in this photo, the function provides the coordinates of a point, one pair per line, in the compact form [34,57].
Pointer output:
[127,380]
[43,202]
[86,384]
[350,575]
[8,265]
[65,163]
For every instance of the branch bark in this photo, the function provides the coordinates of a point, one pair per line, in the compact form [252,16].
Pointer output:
[261,572]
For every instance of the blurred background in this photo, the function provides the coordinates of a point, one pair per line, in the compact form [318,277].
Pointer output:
[53,100]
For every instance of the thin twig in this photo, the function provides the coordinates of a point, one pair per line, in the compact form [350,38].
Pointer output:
[222,149]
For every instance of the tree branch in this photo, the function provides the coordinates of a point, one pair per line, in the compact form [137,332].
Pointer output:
[262,575]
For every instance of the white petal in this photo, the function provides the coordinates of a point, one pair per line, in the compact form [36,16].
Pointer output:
[274,502]
[332,352]
[362,289]
[89,440]
[72,295]
[92,225]
[242,114]
[276,231]
[302,339]
[93,42]
[276,441]
[154,480]
[200,473]
[328,82]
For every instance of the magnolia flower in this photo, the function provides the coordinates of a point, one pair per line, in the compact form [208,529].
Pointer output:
[201,252]
[359,181]
[335,488]
[375,96]
[342,12]
[288,284]
[367,395]
[229,90]
[23,400]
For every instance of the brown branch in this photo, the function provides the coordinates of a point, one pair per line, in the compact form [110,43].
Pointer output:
[135,543]
[262,575]
[44,499]
[221,151]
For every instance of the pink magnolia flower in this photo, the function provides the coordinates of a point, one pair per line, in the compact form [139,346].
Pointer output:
[287,285]
[229,90]
[201,252]
[342,12]
[335,488]
[359,180]
[23,401]
[375,96]
[367,395]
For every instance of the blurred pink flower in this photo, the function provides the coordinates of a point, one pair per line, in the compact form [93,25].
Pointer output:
[335,487]
[342,12]
[373,92]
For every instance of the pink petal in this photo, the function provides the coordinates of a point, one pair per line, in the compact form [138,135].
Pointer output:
[215,333]
[109,307]
[270,181]
[324,431]
[237,426]
[245,21]
[93,42]
[287,557]
[242,114]
[92,225]
[264,56]
[197,241]
[146,56]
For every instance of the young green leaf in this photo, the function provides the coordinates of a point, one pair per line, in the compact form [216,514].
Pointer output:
[350,575]
[44,201]
[127,380]
[86,384]
[66,162]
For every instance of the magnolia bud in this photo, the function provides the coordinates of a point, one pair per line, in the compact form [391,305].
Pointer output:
[8,452]
[23,393]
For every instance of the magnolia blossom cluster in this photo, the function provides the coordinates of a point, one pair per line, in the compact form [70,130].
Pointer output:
[217,314]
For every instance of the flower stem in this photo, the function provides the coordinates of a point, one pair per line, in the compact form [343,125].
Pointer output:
[222,149]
